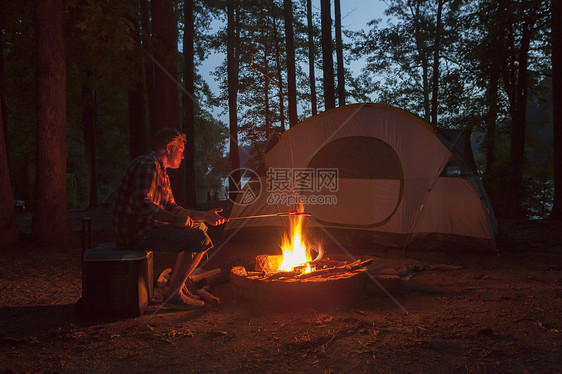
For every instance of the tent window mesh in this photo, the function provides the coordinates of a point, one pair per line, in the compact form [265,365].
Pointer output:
[359,157]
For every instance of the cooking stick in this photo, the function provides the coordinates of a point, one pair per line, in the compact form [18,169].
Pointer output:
[282,214]
[273,215]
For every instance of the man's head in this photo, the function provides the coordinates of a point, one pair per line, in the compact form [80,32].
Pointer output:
[169,144]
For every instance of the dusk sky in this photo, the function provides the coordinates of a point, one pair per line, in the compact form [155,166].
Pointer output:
[355,16]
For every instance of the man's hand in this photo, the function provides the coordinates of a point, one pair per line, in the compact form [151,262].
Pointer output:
[212,217]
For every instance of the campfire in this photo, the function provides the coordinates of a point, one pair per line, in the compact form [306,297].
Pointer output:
[300,273]
[295,253]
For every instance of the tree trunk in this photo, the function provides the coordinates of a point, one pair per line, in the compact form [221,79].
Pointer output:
[136,102]
[425,82]
[4,116]
[89,123]
[437,46]
[8,229]
[137,125]
[50,219]
[148,63]
[339,54]
[189,104]
[166,80]
[494,60]
[327,58]
[166,72]
[311,70]
[556,9]
[232,72]
[491,116]
[267,119]
[291,67]
[279,67]
[422,53]
[516,83]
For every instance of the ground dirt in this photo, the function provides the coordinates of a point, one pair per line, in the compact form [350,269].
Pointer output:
[498,314]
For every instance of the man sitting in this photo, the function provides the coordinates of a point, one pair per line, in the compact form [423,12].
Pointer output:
[146,216]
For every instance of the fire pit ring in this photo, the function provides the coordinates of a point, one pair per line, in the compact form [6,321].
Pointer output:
[331,286]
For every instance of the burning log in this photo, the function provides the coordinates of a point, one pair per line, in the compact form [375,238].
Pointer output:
[282,274]
[337,269]
[326,263]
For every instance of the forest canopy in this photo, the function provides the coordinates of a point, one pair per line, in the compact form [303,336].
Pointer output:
[134,66]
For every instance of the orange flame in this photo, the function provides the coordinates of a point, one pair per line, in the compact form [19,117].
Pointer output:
[294,247]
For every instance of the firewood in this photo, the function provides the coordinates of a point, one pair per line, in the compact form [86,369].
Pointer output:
[240,270]
[218,278]
[327,263]
[206,275]
[207,296]
[211,278]
[336,269]
[281,274]
[268,263]
[361,263]
[316,273]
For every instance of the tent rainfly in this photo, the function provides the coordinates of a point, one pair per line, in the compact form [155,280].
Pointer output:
[372,174]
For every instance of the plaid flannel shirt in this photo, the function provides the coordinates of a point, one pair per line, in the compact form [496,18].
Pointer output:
[143,192]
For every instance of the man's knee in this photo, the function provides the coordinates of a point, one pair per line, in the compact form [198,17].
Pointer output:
[200,226]
[201,237]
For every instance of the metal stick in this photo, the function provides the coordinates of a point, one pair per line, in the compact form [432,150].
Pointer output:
[281,214]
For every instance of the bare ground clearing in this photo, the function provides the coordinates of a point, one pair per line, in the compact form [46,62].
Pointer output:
[497,314]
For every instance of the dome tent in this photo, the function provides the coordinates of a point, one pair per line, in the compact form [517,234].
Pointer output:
[373,174]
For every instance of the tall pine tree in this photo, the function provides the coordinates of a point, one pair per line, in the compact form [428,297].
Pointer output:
[327,58]
[8,229]
[556,22]
[50,218]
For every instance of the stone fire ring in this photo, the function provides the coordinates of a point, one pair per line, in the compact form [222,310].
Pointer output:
[329,289]
[334,288]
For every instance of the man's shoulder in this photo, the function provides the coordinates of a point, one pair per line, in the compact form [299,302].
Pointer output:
[148,157]
[145,161]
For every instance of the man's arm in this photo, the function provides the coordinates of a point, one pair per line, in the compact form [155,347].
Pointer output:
[173,219]
[195,215]
[211,217]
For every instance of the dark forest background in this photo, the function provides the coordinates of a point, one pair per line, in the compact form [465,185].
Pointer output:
[83,84]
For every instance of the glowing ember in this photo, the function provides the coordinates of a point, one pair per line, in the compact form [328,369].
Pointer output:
[294,247]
